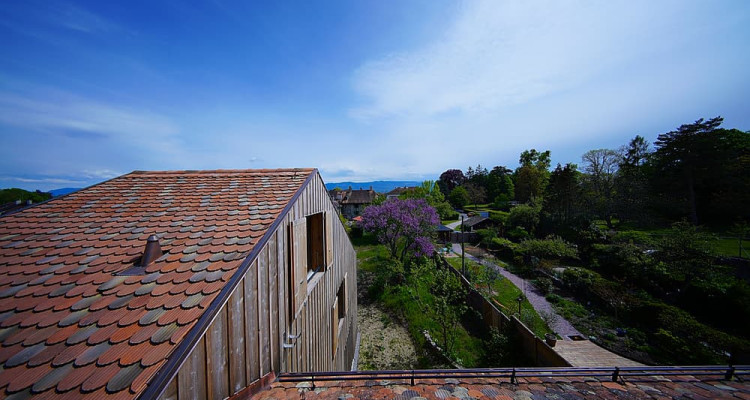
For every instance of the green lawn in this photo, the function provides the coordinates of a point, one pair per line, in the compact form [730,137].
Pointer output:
[506,293]
[724,244]
[408,300]
[729,247]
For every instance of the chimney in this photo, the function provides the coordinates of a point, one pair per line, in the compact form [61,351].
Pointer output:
[151,252]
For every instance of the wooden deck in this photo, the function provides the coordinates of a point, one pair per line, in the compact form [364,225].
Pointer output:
[584,353]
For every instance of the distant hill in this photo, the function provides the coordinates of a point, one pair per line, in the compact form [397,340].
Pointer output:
[378,186]
[63,191]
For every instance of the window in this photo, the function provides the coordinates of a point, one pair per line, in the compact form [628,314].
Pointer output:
[338,315]
[310,252]
[316,259]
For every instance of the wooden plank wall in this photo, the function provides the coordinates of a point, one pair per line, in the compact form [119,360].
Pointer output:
[244,342]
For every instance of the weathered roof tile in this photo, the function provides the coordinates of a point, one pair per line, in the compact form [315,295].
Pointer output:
[64,302]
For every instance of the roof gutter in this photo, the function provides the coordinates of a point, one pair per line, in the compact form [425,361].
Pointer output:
[165,375]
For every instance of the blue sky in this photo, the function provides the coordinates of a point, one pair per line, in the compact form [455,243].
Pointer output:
[362,90]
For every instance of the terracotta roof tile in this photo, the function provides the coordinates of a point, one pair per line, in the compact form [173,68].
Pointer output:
[649,385]
[63,301]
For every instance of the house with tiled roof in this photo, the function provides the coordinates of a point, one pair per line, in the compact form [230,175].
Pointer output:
[354,201]
[175,285]
[395,193]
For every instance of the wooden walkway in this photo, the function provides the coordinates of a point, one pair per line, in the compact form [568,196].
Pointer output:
[584,353]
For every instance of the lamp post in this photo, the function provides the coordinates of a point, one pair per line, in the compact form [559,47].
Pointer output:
[519,300]
[463,253]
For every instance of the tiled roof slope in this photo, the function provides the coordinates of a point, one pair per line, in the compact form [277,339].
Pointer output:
[592,387]
[69,324]
[361,196]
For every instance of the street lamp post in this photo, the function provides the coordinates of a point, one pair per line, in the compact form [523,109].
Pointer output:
[463,253]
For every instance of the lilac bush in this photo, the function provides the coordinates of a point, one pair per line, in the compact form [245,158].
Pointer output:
[404,226]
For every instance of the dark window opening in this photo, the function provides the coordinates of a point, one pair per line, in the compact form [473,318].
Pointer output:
[316,248]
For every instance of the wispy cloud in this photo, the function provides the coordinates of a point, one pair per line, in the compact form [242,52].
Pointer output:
[502,53]
[79,19]
[59,112]
[57,181]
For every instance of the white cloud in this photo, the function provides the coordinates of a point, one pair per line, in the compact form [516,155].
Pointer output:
[500,53]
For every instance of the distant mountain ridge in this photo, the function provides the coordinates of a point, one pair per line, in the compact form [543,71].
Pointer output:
[63,191]
[378,186]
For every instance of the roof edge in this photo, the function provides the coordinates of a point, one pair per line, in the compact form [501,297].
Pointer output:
[167,372]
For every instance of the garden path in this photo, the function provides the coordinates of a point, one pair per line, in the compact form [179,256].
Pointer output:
[560,325]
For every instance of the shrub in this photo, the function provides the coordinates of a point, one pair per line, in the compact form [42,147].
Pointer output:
[504,247]
[553,247]
[518,234]
[635,237]
[544,285]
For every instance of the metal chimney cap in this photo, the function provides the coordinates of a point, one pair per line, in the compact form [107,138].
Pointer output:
[151,252]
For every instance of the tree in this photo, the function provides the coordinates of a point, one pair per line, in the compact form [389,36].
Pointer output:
[477,194]
[404,226]
[601,166]
[450,179]
[459,197]
[532,176]
[688,257]
[448,307]
[679,154]
[430,191]
[525,216]
[563,193]
[499,182]
[631,182]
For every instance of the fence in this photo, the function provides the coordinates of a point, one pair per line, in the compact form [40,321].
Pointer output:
[533,346]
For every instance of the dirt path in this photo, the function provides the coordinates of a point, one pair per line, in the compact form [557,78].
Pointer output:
[560,325]
[384,343]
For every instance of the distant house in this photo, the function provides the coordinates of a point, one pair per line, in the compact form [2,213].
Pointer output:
[353,202]
[395,193]
[175,285]
[476,222]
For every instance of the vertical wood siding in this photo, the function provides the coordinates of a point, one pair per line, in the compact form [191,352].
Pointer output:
[245,340]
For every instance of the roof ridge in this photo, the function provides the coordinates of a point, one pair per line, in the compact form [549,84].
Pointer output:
[219,171]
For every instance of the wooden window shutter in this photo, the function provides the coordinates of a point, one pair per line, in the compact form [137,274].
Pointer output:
[334,326]
[329,238]
[299,261]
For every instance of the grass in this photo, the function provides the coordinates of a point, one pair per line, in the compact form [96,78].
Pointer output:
[729,247]
[724,245]
[507,294]
[408,300]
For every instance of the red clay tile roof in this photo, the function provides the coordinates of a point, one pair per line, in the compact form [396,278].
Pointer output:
[70,324]
[649,386]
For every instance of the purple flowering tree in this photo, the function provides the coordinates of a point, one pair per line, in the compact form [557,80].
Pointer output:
[404,226]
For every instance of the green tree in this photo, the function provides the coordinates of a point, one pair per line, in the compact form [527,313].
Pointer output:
[525,216]
[477,194]
[430,191]
[448,307]
[680,156]
[532,176]
[562,200]
[688,256]
[631,182]
[500,183]
[459,197]
[599,182]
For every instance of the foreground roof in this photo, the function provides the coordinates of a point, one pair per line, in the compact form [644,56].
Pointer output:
[558,383]
[71,324]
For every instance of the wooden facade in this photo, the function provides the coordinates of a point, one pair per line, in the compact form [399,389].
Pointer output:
[283,315]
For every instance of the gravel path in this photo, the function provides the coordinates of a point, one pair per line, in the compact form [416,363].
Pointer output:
[384,343]
[559,324]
